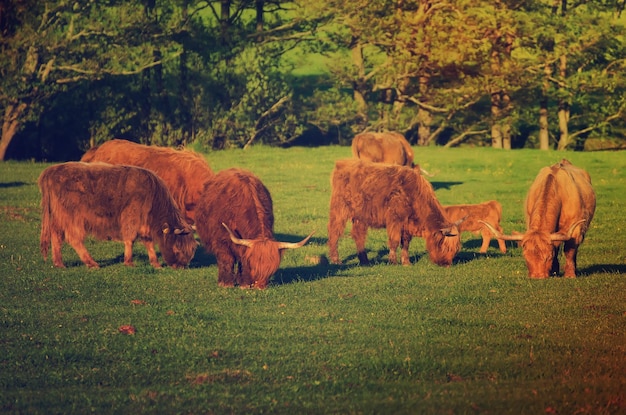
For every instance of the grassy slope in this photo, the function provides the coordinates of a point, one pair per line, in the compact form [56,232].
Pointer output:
[478,337]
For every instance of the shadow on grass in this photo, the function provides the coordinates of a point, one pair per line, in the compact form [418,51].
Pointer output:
[602,269]
[444,185]
[494,249]
[8,185]
[309,273]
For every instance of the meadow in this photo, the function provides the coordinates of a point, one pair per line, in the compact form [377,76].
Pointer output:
[478,337]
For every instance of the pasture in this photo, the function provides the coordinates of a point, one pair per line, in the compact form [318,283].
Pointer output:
[478,337]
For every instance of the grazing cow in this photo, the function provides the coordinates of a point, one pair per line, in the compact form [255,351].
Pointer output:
[183,171]
[235,221]
[110,202]
[559,207]
[490,212]
[394,197]
[390,148]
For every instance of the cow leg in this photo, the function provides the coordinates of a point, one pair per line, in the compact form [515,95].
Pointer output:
[570,250]
[336,226]
[152,256]
[128,254]
[393,241]
[57,243]
[501,242]
[225,270]
[502,245]
[406,241]
[555,261]
[486,239]
[78,244]
[359,234]
[243,277]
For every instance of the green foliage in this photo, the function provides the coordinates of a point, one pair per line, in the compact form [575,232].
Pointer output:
[172,73]
[477,337]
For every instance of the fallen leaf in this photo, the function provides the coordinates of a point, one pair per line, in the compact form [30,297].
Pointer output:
[127,329]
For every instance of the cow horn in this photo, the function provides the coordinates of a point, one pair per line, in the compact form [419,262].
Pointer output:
[560,236]
[458,222]
[238,241]
[500,235]
[180,232]
[166,229]
[293,245]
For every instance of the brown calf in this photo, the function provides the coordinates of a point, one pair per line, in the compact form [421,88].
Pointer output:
[490,212]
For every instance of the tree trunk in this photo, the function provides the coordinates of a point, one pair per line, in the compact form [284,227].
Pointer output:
[505,130]
[424,116]
[544,133]
[185,95]
[544,137]
[563,127]
[564,110]
[225,21]
[12,119]
[259,4]
[496,131]
[358,84]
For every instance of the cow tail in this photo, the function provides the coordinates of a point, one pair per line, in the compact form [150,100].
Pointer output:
[44,239]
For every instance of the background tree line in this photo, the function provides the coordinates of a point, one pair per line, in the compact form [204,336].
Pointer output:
[526,73]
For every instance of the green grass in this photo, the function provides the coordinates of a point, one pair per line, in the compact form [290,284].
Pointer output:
[478,337]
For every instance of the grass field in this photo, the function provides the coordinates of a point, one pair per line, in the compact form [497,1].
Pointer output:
[478,337]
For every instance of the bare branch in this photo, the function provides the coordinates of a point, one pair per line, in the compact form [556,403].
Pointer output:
[98,74]
[604,122]
[463,136]
[259,128]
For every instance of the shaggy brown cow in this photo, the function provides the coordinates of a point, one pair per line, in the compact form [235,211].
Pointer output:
[398,198]
[235,221]
[390,148]
[488,211]
[122,203]
[559,207]
[183,171]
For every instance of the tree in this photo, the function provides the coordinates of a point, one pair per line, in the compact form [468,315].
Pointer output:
[49,46]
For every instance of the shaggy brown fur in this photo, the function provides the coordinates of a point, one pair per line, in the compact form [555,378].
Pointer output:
[239,200]
[560,196]
[390,148]
[121,203]
[559,208]
[183,171]
[490,212]
[393,197]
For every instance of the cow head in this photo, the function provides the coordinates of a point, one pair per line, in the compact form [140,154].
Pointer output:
[443,244]
[262,256]
[538,247]
[177,245]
